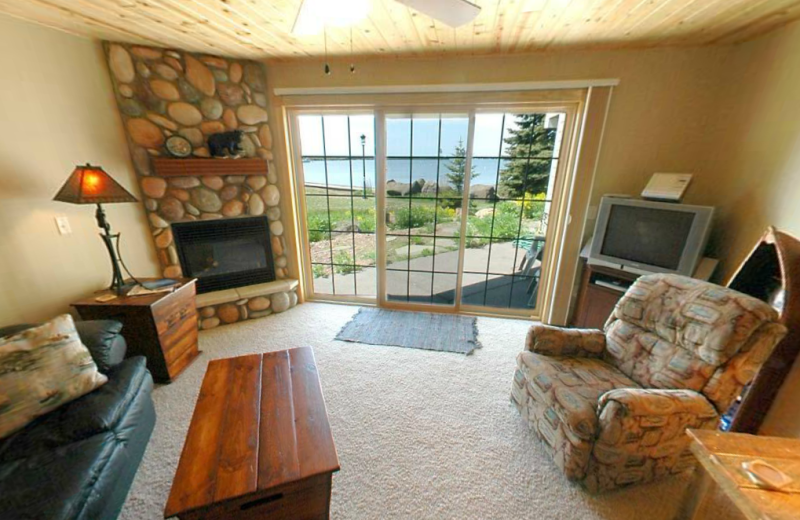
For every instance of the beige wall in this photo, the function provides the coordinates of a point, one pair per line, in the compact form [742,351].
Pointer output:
[755,159]
[755,156]
[657,121]
[57,111]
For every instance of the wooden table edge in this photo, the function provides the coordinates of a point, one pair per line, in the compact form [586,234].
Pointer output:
[289,483]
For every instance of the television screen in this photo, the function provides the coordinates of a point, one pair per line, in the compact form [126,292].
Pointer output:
[647,236]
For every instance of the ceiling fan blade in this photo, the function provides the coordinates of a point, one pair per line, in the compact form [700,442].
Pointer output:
[454,13]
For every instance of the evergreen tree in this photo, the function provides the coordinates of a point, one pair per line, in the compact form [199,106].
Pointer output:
[530,150]
[457,168]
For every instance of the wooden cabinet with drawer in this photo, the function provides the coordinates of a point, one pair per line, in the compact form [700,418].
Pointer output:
[600,290]
[162,327]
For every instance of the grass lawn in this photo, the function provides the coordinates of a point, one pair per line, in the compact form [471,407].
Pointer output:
[352,226]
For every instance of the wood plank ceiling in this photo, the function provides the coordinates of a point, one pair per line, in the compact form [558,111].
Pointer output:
[262,28]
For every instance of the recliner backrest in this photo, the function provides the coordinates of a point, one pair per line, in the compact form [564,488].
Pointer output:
[670,331]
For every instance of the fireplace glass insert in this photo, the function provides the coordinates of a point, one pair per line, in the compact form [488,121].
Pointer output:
[223,254]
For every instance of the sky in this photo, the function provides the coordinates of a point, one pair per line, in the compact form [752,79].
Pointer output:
[404,136]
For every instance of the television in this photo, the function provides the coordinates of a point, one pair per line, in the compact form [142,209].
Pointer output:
[650,237]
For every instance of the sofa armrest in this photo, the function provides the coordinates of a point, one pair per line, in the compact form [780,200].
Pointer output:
[557,341]
[104,341]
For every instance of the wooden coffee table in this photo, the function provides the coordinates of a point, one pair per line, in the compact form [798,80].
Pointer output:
[259,444]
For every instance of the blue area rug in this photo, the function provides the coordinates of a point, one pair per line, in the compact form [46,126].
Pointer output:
[424,330]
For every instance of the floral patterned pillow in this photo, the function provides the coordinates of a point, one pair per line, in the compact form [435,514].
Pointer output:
[41,369]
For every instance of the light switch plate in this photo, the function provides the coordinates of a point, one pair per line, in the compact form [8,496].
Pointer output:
[62,223]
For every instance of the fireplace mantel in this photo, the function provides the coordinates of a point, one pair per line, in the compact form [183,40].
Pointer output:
[166,167]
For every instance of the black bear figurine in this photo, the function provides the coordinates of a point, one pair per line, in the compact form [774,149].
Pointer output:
[225,144]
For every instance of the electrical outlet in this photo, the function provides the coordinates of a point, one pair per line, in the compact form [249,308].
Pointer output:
[62,223]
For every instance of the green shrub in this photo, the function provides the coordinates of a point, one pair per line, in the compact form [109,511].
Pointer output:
[319,271]
[318,227]
[534,205]
[418,216]
[504,227]
[365,219]
[344,263]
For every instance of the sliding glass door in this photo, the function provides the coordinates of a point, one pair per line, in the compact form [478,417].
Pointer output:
[514,169]
[337,158]
[425,165]
[463,200]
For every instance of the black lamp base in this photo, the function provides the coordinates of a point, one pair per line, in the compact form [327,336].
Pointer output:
[118,285]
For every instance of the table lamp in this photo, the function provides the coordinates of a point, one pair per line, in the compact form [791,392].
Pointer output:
[92,185]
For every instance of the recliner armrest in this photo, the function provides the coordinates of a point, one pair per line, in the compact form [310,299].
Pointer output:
[660,413]
[104,341]
[558,341]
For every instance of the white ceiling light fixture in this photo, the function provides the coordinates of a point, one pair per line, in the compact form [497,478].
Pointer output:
[453,13]
[315,15]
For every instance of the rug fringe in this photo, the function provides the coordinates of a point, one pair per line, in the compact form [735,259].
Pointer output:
[476,342]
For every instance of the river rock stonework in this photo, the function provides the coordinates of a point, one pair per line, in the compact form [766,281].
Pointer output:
[212,316]
[161,93]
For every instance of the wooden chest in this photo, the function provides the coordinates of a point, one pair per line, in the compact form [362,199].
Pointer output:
[259,444]
[162,327]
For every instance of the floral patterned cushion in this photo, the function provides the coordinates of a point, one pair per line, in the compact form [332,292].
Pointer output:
[41,369]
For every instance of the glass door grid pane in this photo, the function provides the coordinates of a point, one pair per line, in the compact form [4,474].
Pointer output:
[528,144]
[423,211]
[340,208]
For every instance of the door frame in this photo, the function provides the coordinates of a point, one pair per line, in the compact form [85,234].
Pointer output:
[570,102]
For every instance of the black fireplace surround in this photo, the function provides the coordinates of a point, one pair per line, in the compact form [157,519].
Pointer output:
[223,254]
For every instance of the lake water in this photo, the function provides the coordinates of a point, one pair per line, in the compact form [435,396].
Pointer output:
[401,170]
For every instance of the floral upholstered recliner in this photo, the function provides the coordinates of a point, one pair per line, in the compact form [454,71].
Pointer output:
[612,407]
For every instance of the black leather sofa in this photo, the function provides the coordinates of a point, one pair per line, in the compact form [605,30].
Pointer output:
[78,461]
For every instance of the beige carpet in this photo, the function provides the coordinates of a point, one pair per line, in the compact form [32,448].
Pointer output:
[420,434]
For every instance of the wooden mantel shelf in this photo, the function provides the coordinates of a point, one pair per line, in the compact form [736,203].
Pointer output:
[167,167]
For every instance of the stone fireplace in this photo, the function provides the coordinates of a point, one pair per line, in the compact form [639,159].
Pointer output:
[163,93]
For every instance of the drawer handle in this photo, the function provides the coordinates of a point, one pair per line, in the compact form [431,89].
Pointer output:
[261,501]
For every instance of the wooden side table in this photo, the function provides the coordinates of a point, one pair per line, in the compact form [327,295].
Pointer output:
[721,455]
[162,327]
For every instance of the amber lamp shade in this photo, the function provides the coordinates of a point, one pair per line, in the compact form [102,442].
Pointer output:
[92,185]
